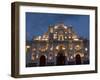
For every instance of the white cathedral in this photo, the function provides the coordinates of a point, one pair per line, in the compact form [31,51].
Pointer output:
[60,45]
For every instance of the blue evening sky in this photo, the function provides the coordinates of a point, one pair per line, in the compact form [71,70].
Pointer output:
[37,23]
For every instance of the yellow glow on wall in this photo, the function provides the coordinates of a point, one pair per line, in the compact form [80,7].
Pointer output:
[27,46]
[79,53]
[50,57]
[71,57]
[60,47]
[55,36]
[65,27]
[86,49]
[33,49]
[37,56]
[69,37]
[77,47]
[51,48]
[57,47]
[33,57]
[56,27]
[65,37]
[76,39]
[63,48]
[51,30]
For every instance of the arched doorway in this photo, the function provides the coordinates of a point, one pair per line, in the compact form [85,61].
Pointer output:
[60,60]
[42,60]
[78,59]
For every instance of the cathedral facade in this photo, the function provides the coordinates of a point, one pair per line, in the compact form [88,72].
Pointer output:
[60,45]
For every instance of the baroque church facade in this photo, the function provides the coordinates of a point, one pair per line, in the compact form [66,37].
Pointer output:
[60,45]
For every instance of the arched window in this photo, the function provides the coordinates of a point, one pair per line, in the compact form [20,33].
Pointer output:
[61,37]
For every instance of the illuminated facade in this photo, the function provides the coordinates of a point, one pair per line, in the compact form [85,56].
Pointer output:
[60,45]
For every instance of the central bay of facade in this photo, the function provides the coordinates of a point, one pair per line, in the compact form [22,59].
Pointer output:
[60,45]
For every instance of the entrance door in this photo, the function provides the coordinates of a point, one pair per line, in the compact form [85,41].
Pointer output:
[42,60]
[78,59]
[60,60]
